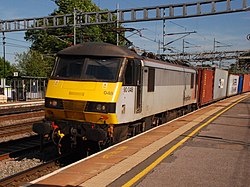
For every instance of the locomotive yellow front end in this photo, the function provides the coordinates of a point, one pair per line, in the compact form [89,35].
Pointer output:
[80,103]
[92,102]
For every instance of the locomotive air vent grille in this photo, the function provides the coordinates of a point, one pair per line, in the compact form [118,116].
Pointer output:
[74,105]
[72,115]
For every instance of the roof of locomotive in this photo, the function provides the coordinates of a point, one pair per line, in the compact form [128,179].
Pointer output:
[109,50]
[99,49]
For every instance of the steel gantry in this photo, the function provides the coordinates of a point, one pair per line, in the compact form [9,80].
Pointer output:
[213,56]
[152,13]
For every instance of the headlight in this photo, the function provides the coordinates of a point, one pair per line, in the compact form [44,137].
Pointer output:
[53,103]
[100,107]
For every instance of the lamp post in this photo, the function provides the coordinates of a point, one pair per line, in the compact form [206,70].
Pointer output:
[74,26]
[117,24]
[4,55]
[4,74]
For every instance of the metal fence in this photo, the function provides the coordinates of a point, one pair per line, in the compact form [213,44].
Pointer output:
[24,88]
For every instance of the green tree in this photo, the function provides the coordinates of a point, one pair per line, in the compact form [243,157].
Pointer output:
[242,65]
[53,40]
[9,68]
[33,63]
[50,41]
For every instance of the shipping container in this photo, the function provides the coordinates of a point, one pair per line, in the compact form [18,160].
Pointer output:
[232,86]
[246,83]
[205,86]
[220,84]
[240,85]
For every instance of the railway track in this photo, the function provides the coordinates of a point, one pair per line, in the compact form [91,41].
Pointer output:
[16,147]
[30,174]
[17,109]
[33,173]
[20,123]
[19,116]
[16,129]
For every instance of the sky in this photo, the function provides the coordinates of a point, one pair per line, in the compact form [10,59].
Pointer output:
[229,30]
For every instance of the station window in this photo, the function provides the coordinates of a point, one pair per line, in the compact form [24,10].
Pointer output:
[151,80]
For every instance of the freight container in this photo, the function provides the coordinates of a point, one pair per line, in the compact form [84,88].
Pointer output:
[205,86]
[220,84]
[233,83]
[246,83]
[240,86]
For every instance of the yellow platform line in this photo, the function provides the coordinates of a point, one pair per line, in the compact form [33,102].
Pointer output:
[163,156]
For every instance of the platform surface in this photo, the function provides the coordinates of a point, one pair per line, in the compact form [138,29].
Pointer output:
[208,145]
[219,155]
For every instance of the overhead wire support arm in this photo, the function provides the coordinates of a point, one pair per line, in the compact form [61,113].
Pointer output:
[177,33]
[186,34]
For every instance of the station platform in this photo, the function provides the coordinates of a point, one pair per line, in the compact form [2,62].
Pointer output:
[208,147]
[21,104]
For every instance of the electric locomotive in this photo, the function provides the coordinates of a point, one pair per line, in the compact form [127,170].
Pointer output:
[103,93]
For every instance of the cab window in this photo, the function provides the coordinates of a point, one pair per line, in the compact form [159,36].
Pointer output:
[132,73]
